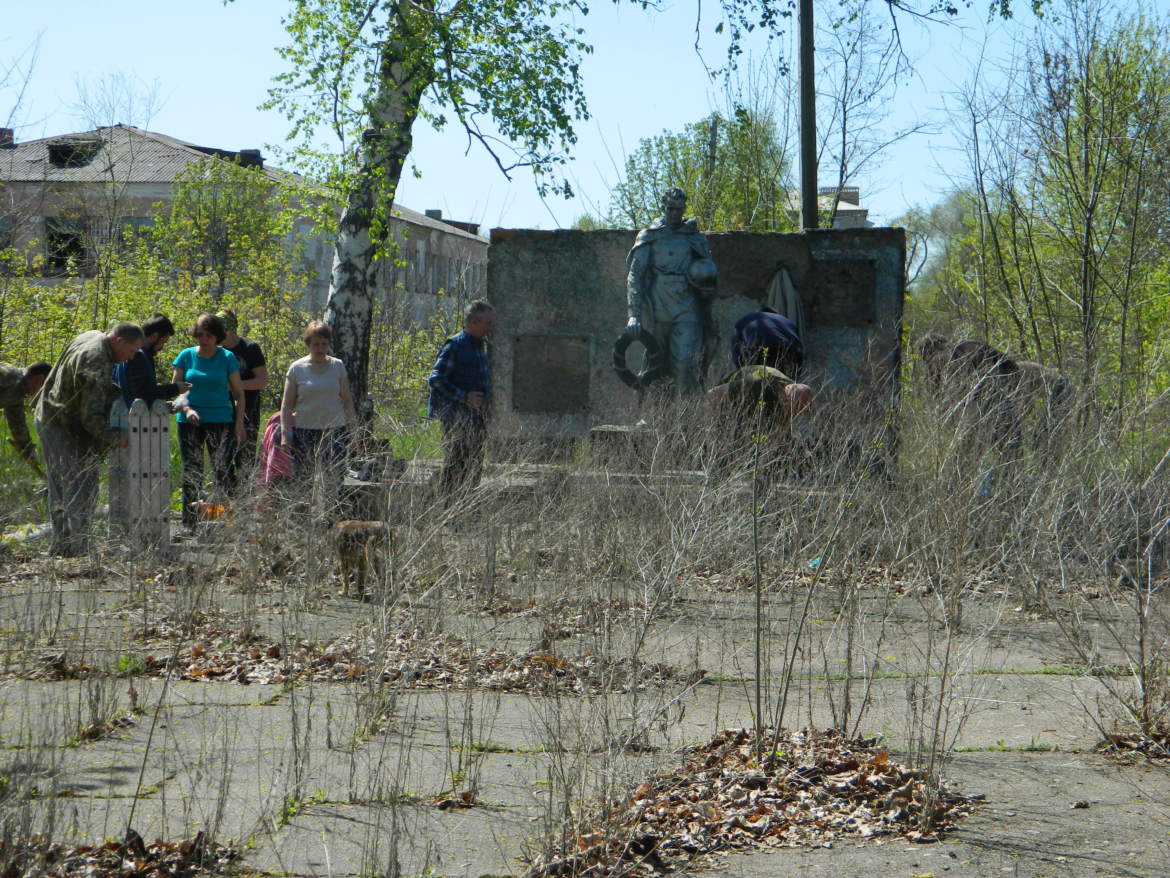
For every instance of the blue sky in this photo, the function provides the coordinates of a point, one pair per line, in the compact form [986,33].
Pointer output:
[212,64]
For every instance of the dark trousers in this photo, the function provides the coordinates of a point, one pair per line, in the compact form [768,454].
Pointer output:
[463,445]
[320,449]
[220,442]
[319,458]
[243,464]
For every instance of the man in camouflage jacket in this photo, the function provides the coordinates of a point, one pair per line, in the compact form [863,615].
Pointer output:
[73,420]
[16,385]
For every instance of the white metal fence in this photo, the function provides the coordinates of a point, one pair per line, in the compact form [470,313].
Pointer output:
[140,474]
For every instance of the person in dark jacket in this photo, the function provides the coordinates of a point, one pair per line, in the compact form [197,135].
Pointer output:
[461,390]
[765,338]
[759,398]
[138,376]
[253,378]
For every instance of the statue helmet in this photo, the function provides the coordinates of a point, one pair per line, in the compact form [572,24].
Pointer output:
[673,195]
[703,275]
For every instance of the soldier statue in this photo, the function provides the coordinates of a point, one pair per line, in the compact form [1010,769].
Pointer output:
[671,280]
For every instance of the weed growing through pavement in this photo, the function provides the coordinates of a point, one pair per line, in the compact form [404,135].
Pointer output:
[569,632]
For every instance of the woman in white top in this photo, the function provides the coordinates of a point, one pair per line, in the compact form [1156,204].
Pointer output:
[316,413]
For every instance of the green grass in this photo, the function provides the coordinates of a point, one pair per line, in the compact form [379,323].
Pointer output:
[1059,671]
[492,747]
[19,484]
[1000,746]
[422,439]
[1042,671]
[130,664]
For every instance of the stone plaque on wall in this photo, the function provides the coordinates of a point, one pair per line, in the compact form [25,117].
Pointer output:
[550,374]
[844,294]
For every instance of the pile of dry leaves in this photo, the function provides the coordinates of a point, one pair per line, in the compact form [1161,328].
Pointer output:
[1155,745]
[53,666]
[809,788]
[412,658]
[132,858]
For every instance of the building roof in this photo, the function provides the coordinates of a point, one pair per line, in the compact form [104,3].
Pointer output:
[117,152]
[421,219]
[845,203]
[127,154]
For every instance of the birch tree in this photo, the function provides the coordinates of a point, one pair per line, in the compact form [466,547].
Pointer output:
[505,71]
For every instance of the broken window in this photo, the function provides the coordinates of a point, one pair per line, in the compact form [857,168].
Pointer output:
[65,246]
[73,153]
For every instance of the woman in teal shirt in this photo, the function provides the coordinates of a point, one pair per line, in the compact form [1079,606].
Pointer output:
[213,415]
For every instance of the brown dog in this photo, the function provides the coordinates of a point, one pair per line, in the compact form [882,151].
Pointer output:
[361,548]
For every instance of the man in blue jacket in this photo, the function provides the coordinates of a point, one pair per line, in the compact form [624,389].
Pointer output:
[461,390]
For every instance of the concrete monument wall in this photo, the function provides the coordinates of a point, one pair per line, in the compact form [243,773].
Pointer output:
[561,303]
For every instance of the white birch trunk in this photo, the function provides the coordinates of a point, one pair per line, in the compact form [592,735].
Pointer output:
[385,146]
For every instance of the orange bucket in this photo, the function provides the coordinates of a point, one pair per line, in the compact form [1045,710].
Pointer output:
[211,511]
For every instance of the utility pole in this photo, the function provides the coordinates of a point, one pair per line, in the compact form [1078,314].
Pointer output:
[808,120]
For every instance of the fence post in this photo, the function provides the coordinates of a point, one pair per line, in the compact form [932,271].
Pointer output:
[119,516]
[161,420]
